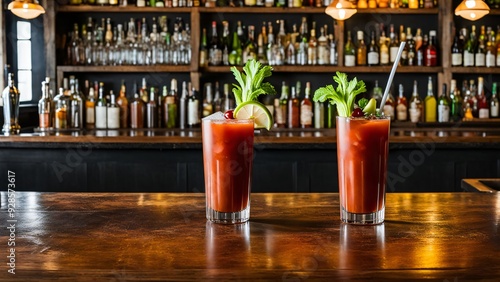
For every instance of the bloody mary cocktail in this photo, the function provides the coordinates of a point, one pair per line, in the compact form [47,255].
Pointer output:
[362,149]
[227,159]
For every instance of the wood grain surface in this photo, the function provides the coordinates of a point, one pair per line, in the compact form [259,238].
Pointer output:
[290,237]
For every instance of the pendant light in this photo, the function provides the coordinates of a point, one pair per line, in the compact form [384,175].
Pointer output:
[26,9]
[472,9]
[340,9]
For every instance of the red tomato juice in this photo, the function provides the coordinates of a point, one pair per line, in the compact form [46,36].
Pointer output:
[362,149]
[227,162]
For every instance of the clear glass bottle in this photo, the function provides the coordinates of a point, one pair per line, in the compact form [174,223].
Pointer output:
[45,107]
[61,109]
[101,113]
[151,110]
[113,113]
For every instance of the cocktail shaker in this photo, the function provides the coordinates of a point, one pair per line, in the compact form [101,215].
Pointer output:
[11,97]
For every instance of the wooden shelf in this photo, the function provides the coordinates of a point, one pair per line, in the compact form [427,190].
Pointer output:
[264,10]
[333,69]
[160,68]
[475,70]
[404,11]
[119,9]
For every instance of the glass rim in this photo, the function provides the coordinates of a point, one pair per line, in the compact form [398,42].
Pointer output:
[244,121]
[363,118]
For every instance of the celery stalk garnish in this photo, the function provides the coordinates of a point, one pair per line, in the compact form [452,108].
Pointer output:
[343,96]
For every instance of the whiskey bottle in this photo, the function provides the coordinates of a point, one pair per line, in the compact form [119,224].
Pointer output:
[113,112]
[416,106]
[361,50]
[306,111]
[137,110]
[101,109]
[45,106]
[122,103]
[402,106]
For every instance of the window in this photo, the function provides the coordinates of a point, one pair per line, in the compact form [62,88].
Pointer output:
[24,66]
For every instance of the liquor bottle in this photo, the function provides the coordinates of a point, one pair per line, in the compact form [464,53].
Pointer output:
[319,115]
[456,53]
[170,106]
[151,110]
[193,109]
[384,50]
[217,98]
[312,49]
[143,92]
[473,98]
[491,50]
[416,109]
[225,43]
[497,46]
[393,44]
[100,109]
[494,101]
[293,108]
[330,115]
[45,106]
[421,52]
[306,111]
[361,50]
[443,108]
[204,49]
[280,107]
[349,52]
[137,110]
[480,55]
[323,49]
[430,103]
[250,49]
[113,112]
[377,93]
[214,53]
[227,101]
[470,48]
[431,52]
[183,111]
[207,104]
[404,54]
[412,51]
[236,55]
[482,101]
[389,106]
[333,51]
[122,103]
[456,112]
[402,106]
[90,106]
[75,107]
[373,56]
[61,106]
[418,39]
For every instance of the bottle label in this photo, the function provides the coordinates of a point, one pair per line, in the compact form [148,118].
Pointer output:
[319,115]
[279,115]
[100,117]
[113,120]
[389,111]
[490,60]
[170,100]
[306,115]
[323,56]
[90,115]
[350,61]
[415,112]
[193,112]
[393,53]
[494,110]
[384,58]
[480,60]
[373,58]
[443,113]
[484,113]
[456,59]
[468,59]
[402,113]
[44,120]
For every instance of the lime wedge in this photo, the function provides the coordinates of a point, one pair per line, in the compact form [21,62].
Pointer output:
[371,107]
[262,117]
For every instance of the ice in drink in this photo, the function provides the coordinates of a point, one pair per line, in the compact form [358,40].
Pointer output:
[227,159]
[362,149]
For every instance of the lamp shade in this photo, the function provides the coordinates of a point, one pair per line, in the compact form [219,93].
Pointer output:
[26,9]
[340,9]
[472,9]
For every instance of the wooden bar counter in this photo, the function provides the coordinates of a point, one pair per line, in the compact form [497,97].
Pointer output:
[290,237]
